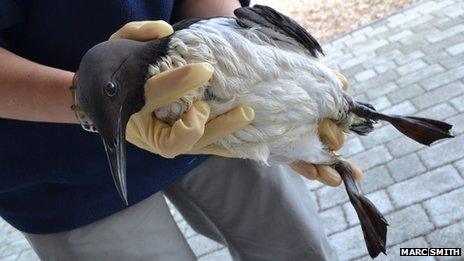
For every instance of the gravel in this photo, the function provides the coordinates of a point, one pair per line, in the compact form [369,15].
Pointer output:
[329,19]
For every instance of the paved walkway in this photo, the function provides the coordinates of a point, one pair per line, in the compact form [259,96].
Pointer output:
[409,63]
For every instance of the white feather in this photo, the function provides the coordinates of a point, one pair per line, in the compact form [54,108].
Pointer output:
[289,89]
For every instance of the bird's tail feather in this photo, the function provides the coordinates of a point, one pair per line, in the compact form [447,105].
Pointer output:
[373,224]
[423,130]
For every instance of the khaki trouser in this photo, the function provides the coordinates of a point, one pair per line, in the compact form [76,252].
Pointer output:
[258,212]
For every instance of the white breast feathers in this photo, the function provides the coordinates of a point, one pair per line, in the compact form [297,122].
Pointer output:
[289,89]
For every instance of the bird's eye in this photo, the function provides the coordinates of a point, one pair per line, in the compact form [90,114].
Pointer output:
[110,89]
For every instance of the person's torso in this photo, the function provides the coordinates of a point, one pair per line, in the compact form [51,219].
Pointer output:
[55,177]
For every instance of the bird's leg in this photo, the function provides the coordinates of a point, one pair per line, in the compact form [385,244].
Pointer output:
[373,224]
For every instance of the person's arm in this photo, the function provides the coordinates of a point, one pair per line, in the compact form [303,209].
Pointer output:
[209,8]
[33,92]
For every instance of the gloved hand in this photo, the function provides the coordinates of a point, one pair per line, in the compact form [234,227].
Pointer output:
[191,134]
[334,138]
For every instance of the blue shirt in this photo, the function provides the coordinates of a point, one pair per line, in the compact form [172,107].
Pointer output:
[55,177]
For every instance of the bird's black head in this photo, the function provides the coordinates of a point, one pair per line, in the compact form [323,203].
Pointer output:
[110,88]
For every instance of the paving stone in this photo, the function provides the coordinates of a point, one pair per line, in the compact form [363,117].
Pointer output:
[355,40]
[313,196]
[458,102]
[437,57]
[356,60]
[416,45]
[375,179]
[372,157]
[28,255]
[388,48]
[406,167]
[400,36]
[453,62]
[378,81]
[382,59]
[381,90]
[456,49]
[333,220]
[401,21]
[365,75]
[433,38]
[443,152]
[411,67]
[439,112]
[420,75]
[383,67]
[13,237]
[377,30]
[404,108]
[443,78]
[441,45]
[409,56]
[398,16]
[359,97]
[418,39]
[4,229]
[176,214]
[370,46]
[330,197]
[364,30]
[338,45]
[402,146]
[450,236]
[380,200]
[381,103]
[458,123]
[331,52]
[456,13]
[438,95]
[14,248]
[10,258]
[445,21]
[421,23]
[447,208]
[349,243]
[405,93]
[435,6]
[379,135]
[352,71]
[186,229]
[352,146]
[340,40]
[406,224]
[425,186]
[460,166]
[334,62]
[222,255]
[312,185]
[202,245]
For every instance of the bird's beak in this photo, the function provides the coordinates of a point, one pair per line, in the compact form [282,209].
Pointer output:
[115,147]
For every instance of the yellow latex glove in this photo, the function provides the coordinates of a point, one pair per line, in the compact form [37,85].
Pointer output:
[334,138]
[191,134]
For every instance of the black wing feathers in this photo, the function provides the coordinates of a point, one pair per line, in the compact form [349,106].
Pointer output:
[269,17]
